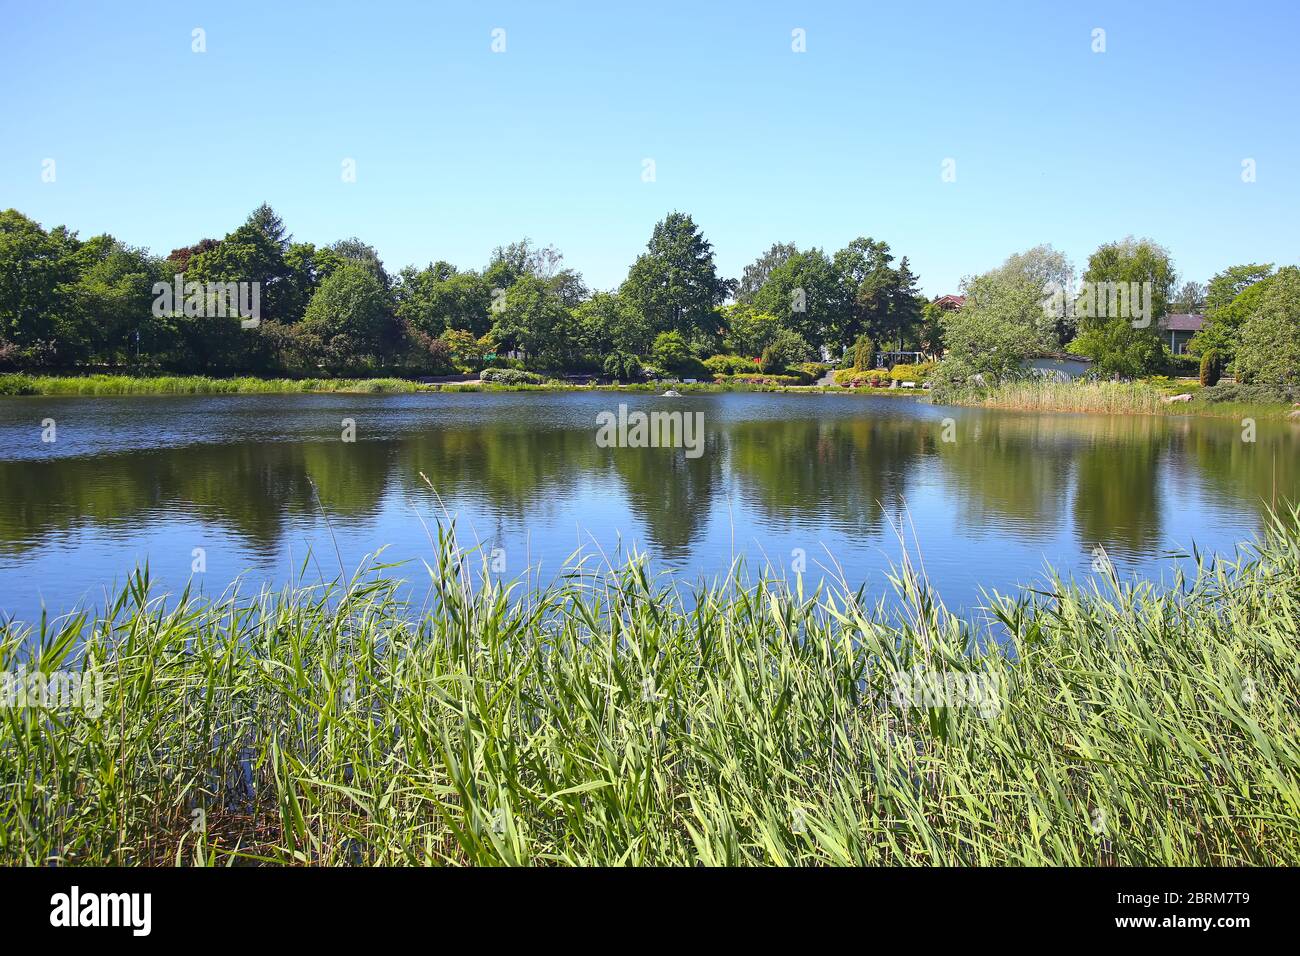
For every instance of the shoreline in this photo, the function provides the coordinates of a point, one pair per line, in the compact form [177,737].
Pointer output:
[1101,398]
[17,385]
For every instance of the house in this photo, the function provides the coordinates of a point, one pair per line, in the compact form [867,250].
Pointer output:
[1057,366]
[1178,328]
[950,303]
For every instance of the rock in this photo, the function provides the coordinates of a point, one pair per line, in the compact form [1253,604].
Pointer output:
[1177,398]
[1294,416]
[672,393]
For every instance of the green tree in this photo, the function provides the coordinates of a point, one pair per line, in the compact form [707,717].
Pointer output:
[994,332]
[1270,339]
[864,354]
[535,321]
[747,331]
[674,283]
[351,315]
[1231,297]
[255,252]
[670,352]
[111,298]
[439,298]
[930,334]
[607,323]
[756,274]
[35,270]
[806,296]
[1052,274]
[1121,345]
[787,348]
[621,365]
[1210,370]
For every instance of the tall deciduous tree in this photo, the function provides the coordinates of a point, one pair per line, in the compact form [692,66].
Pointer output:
[255,252]
[35,267]
[1126,345]
[806,295]
[757,272]
[439,298]
[1230,299]
[1269,353]
[675,283]
[350,314]
[994,332]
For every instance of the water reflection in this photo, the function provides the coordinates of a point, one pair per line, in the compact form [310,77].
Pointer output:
[775,469]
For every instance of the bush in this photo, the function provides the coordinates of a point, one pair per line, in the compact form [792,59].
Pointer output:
[911,373]
[786,349]
[1251,394]
[730,365]
[849,377]
[511,376]
[623,366]
[1210,370]
[864,354]
[17,385]
[670,351]
[761,379]
[9,355]
[809,372]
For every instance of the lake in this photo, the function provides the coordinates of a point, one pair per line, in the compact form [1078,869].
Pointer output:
[780,477]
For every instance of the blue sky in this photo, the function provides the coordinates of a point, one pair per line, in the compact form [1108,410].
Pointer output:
[459,149]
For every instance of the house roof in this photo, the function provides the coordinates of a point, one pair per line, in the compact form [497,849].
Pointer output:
[1182,322]
[950,301]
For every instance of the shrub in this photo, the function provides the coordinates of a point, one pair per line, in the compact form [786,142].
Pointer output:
[911,373]
[852,377]
[761,379]
[1252,394]
[730,365]
[864,354]
[17,385]
[670,351]
[786,349]
[511,376]
[809,372]
[622,365]
[1210,370]
[9,355]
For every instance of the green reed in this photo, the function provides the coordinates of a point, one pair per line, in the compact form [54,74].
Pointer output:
[608,718]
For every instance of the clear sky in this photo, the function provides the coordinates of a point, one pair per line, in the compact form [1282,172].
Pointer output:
[458,149]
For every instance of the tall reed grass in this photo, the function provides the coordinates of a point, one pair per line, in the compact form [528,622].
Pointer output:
[1103,397]
[607,718]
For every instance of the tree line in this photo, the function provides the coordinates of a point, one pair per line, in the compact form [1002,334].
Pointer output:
[68,303]
[1251,317]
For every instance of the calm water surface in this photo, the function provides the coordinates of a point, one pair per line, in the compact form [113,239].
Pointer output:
[138,479]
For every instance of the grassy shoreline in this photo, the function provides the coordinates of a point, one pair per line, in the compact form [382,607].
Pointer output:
[1106,398]
[603,719]
[18,384]
[1109,398]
